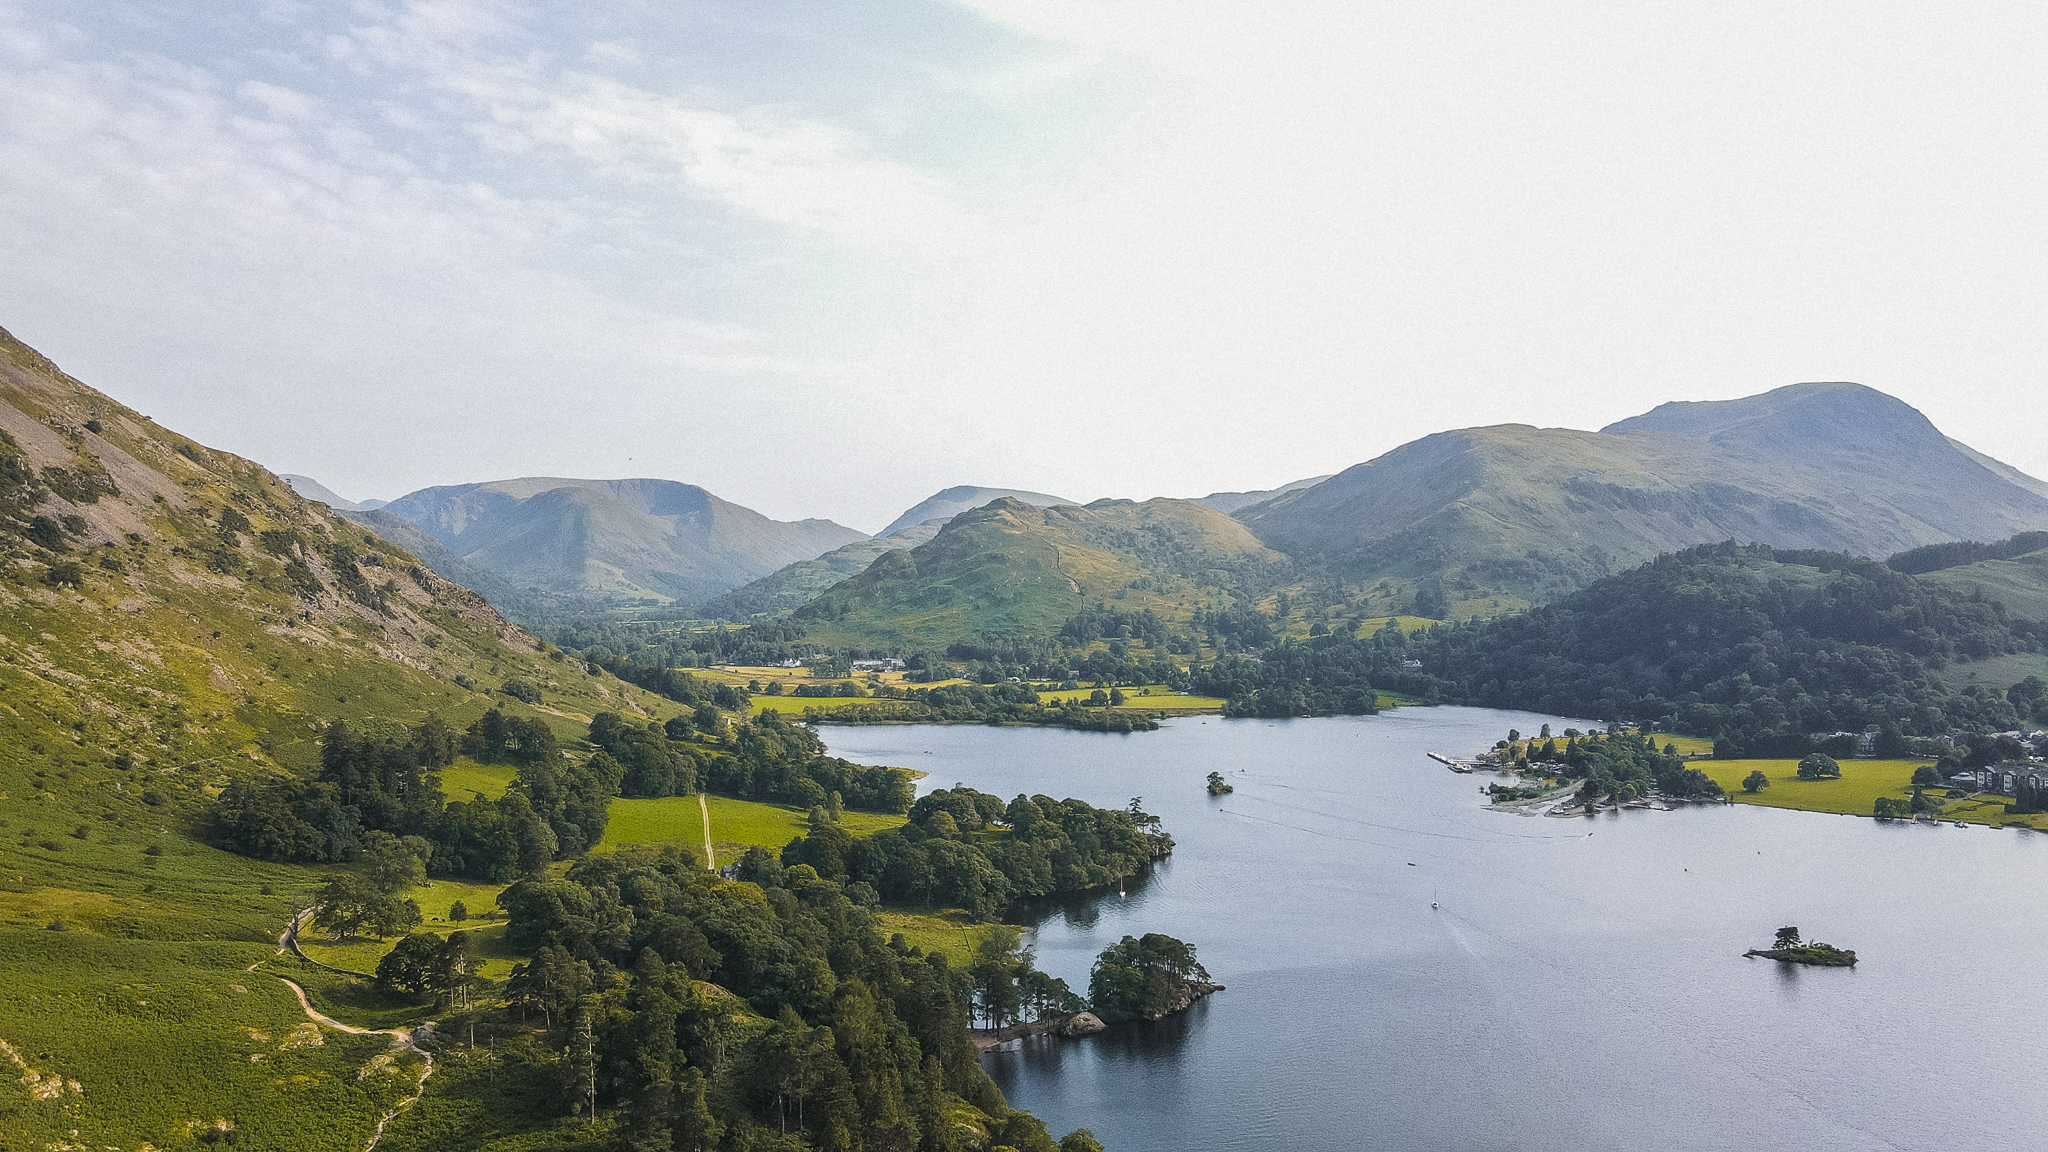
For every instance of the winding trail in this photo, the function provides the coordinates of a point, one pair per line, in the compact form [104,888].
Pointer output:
[402,1039]
[710,857]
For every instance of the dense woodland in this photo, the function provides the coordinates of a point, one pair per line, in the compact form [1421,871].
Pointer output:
[1762,649]
[968,849]
[836,1040]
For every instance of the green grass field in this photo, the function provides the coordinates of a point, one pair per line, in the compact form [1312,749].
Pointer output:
[1687,745]
[796,704]
[951,931]
[1409,625]
[1162,699]
[466,778]
[1856,793]
[736,825]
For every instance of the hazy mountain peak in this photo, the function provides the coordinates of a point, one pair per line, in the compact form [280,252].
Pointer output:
[1231,502]
[1840,412]
[638,538]
[955,500]
[312,489]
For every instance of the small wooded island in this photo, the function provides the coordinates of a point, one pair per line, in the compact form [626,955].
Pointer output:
[1789,949]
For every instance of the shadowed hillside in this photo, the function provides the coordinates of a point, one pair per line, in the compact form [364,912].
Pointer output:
[1538,512]
[596,542]
[798,584]
[1012,570]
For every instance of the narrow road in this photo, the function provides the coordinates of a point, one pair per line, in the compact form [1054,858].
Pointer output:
[401,1038]
[710,857]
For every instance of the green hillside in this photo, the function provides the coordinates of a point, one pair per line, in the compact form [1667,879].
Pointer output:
[175,617]
[798,584]
[1015,571]
[1535,513]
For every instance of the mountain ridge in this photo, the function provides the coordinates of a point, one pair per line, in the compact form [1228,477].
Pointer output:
[604,541]
[1539,512]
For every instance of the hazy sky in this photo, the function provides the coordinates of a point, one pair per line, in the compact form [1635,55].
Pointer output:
[826,258]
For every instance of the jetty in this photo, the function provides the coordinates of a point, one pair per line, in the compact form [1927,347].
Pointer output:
[1454,764]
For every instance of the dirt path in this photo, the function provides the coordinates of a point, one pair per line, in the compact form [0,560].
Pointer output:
[401,1038]
[710,857]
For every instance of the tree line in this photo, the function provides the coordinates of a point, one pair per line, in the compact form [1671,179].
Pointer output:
[950,855]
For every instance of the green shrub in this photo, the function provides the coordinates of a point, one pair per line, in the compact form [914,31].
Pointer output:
[1819,766]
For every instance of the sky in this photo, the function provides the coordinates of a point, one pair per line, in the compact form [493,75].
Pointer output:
[825,259]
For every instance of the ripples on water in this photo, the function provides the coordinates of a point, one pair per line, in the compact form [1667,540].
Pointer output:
[1574,991]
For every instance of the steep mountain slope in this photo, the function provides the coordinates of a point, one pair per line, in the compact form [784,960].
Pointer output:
[590,542]
[1009,570]
[1537,512]
[172,617]
[953,501]
[798,584]
[1234,502]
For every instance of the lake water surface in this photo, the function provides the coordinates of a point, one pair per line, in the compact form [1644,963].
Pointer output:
[1581,987]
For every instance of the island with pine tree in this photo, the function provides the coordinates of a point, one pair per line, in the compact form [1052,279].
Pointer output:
[1788,948]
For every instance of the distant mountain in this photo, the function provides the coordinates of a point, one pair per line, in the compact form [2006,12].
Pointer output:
[1011,571]
[1538,512]
[508,598]
[1232,502]
[798,584]
[312,489]
[588,543]
[953,501]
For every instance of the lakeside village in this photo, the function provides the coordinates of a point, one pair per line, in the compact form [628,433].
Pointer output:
[2000,779]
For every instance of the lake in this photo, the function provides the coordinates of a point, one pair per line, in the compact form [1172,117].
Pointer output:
[1582,985]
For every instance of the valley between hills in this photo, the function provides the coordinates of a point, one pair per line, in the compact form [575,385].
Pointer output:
[499,735]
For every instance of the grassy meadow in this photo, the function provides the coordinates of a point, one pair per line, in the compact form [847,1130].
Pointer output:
[1409,625]
[1688,745]
[951,930]
[1160,699]
[736,825]
[1856,793]
[465,779]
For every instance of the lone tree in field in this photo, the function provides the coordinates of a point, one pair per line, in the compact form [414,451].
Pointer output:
[1755,781]
[1787,938]
[1819,766]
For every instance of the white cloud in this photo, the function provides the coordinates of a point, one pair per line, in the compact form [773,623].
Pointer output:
[1129,247]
